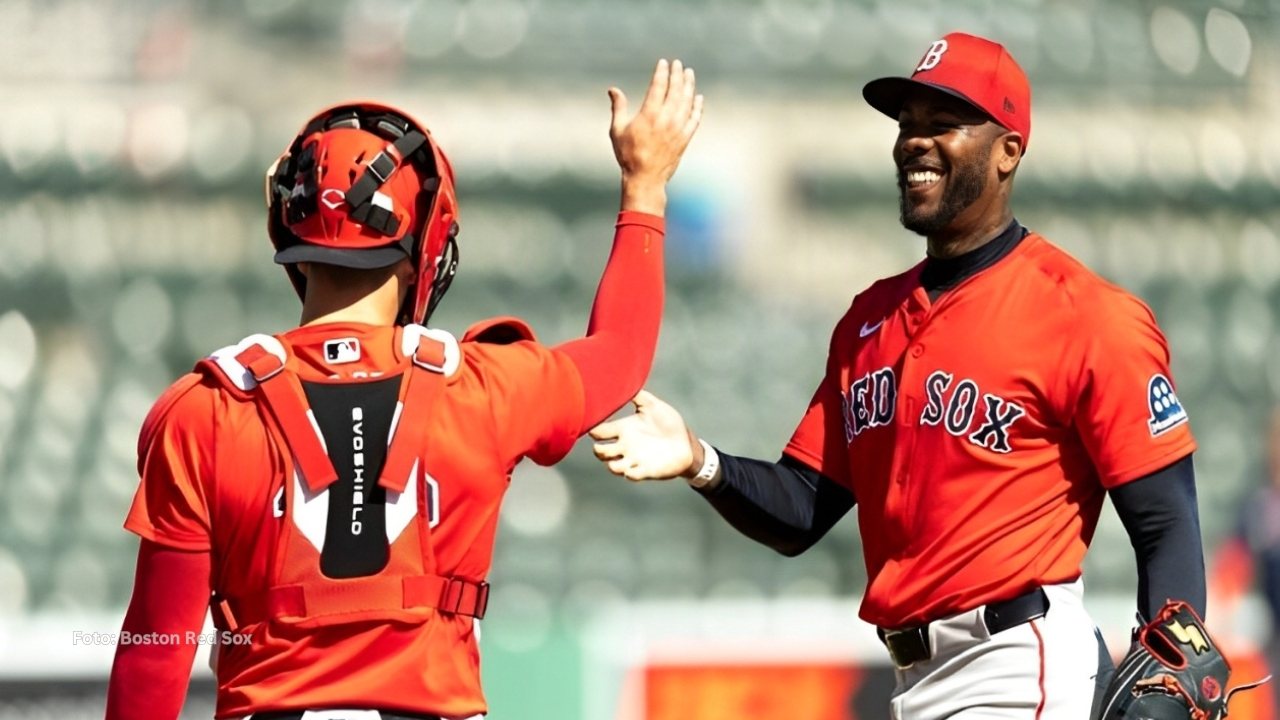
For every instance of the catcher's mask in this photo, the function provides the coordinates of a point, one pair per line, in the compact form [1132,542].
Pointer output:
[364,186]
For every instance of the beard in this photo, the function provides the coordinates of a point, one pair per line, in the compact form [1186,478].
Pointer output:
[965,184]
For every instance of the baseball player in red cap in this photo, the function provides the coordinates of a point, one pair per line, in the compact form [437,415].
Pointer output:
[332,492]
[978,409]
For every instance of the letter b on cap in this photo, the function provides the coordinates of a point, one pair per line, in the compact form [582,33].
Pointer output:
[933,56]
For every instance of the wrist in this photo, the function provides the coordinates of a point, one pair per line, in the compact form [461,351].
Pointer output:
[708,473]
[644,195]
[704,464]
[697,455]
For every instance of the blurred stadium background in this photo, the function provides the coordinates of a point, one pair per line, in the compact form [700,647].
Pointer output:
[134,135]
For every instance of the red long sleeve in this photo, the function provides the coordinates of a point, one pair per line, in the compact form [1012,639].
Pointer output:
[616,354]
[170,596]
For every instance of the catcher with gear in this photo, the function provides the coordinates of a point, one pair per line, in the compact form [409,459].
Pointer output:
[1173,671]
[331,493]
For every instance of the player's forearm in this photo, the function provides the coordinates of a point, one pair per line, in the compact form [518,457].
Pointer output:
[170,596]
[149,682]
[784,505]
[617,352]
[1159,512]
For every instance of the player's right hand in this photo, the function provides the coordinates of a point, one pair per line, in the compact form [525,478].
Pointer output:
[649,145]
[652,444]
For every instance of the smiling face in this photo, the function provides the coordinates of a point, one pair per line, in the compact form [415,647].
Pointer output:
[950,160]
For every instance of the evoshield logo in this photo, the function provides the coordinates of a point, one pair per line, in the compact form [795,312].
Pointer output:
[333,198]
[357,444]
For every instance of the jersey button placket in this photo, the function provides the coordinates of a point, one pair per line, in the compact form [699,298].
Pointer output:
[911,379]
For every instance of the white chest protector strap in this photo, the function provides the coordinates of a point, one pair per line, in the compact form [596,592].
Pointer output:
[256,365]
[436,357]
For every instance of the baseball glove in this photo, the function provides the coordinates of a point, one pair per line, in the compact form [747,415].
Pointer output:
[1173,671]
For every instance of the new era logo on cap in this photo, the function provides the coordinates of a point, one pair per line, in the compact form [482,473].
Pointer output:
[974,69]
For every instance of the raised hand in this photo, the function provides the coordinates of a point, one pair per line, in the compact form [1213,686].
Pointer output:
[649,146]
[652,444]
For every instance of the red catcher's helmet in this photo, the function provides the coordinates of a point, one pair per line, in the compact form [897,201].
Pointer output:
[365,186]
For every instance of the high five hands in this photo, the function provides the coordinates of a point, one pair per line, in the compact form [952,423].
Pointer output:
[649,145]
[652,444]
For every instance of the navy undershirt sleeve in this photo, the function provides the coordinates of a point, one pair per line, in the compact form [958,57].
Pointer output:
[786,505]
[1159,512]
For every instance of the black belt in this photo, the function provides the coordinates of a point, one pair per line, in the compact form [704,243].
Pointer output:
[909,646]
[383,714]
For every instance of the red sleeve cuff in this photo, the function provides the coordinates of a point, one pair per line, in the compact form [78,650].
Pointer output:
[653,222]
[1127,475]
[147,532]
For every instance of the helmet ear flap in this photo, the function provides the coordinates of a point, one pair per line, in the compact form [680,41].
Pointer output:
[446,268]
[275,194]
[269,183]
[431,283]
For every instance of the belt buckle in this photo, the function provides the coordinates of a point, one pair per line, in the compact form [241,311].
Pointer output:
[917,636]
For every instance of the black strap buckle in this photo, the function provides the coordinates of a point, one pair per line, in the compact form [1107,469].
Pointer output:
[382,166]
[377,218]
[482,600]
[223,616]
[465,597]
[907,646]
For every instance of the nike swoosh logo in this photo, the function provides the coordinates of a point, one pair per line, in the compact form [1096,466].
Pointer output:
[868,329]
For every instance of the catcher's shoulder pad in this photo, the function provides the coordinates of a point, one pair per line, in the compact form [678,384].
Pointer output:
[220,370]
[431,349]
[502,330]
[223,364]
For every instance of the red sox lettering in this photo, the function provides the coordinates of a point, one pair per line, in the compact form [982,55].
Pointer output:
[869,402]
[871,399]
[957,410]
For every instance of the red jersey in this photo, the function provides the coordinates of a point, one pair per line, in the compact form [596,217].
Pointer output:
[213,476]
[979,433]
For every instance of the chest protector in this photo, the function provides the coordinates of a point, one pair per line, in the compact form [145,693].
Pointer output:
[354,542]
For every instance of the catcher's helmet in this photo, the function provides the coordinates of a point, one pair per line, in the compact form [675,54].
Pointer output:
[364,185]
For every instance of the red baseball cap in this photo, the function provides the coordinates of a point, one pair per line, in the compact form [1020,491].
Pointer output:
[974,69]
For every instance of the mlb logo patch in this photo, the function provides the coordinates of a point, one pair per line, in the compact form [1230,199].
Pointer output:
[1166,410]
[344,350]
